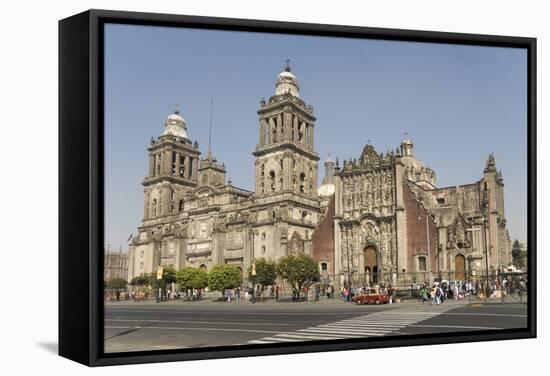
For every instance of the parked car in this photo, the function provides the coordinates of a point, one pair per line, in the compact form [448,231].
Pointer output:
[372,296]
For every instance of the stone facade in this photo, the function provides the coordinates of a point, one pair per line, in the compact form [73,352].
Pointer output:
[115,265]
[391,217]
[378,218]
[194,217]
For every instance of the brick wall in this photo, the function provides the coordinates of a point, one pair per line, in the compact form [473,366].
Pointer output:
[416,231]
[323,238]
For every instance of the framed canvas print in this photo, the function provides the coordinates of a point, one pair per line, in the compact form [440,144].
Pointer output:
[236,187]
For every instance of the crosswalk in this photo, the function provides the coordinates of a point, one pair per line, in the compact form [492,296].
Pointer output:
[371,325]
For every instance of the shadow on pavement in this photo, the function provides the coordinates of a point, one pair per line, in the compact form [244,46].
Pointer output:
[51,347]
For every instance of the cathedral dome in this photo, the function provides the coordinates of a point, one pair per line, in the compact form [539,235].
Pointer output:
[175,125]
[287,83]
[326,190]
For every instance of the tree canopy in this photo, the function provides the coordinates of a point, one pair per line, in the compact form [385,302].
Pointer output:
[168,277]
[191,278]
[116,283]
[299,270]
[140,280]
[223,277]
[266,272]
[518,255]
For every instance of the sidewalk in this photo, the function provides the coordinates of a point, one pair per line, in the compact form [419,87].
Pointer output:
[283,302]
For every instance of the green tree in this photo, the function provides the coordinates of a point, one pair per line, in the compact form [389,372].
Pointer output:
[140,280]
[266,273]
[299,270]
[191,278]
[116,283]
[168,277]
[518,254]
[223,277]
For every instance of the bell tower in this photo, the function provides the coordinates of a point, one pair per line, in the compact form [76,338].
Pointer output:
[286,161]
[173,170]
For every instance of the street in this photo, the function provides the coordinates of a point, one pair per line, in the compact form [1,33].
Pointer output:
[132,326]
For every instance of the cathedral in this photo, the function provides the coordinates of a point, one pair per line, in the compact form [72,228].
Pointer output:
[378,218]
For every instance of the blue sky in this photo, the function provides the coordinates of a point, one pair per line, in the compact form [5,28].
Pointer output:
[457,103]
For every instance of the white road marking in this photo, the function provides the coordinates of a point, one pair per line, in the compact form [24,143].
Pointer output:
[455,327]
[197,322]
[374,325]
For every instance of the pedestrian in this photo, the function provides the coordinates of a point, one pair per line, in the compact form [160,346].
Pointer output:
[238,294]
[441,294]
[424,294]
[276,292]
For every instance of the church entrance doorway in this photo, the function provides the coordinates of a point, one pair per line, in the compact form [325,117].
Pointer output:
[371,264]
[460,268]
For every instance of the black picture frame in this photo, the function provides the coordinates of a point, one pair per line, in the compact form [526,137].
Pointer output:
[81,199]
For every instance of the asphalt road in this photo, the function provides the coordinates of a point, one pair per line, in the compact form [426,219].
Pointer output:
[131,326]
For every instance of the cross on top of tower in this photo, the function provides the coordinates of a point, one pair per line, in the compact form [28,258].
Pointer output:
[287,67]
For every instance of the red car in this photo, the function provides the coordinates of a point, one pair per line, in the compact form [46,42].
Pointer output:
[372,296]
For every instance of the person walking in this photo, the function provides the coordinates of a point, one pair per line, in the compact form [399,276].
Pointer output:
[424,294]
[276,292]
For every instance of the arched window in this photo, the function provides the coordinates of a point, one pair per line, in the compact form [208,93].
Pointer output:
[180,206]
[422,265]
[154,208]
[302,182]
[272,180]
[203,267]
[204,179]
[323,266]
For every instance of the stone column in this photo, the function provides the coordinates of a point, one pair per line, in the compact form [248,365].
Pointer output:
[177,172]
[310,141]
[262,132]
[281,130]
[258,177]
[146,205]
[287,123]
[186,170]
[295,128]
[165,197]
[270,127]
[442,237]
[151,165]
[195,168]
